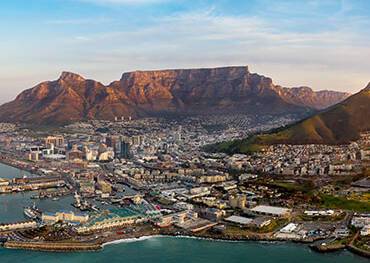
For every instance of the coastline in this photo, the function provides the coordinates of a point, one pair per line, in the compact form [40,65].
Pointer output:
[91,247]
[16,166]
[272,241]
[352,249]
[94,247]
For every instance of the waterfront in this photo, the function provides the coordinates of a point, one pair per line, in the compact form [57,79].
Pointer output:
[168,249]
[158,249]
[11,205]
[9,172]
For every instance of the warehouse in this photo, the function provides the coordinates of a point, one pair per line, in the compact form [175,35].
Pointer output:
[271,210]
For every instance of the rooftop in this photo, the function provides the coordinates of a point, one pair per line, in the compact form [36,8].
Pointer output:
[274,210]
[239,219]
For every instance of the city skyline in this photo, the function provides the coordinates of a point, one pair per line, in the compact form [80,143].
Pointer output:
[321,44]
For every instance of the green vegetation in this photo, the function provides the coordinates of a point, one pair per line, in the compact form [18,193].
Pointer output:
[330,201]
[336,218]
[164,201]
[275,224]
[236,146]
[338,125]
[304,187]
[236,231]
[363,242]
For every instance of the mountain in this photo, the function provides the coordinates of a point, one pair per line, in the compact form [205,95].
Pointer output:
[309,98]
[157,93]
[339,124]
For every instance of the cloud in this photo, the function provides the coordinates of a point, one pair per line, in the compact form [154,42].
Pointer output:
[80,21]
[123,2]
[324,52]
[207,38]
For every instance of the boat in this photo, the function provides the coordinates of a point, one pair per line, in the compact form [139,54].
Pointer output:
[116,200]
[85,206]
[95,208]
[55,199]
[77,202]
[31,212]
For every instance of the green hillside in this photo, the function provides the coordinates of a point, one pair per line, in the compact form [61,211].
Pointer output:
[339,124]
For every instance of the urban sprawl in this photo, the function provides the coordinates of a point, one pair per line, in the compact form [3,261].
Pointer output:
[132,178]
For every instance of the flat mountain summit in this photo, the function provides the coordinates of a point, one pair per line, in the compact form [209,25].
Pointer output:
[179,92]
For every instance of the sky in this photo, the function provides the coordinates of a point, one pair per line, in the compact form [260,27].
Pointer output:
[324,44]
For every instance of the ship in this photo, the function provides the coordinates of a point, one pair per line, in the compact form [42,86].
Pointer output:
[77,202]
[85,206]
[31,212]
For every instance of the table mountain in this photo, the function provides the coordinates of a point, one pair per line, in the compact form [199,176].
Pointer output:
[157,93]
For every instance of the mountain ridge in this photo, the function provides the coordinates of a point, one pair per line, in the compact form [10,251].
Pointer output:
[153,93]
[339,124]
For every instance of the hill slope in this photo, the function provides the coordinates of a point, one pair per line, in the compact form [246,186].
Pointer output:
[157,93]
[339,124]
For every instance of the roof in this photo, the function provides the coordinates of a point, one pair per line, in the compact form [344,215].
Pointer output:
[274,210]
[114,213]
[289,228]
[239,219]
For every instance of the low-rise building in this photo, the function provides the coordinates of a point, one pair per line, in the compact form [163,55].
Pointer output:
[212,214]
[240,220]
[68,217]
[341,232]
[271,210]
[18,225]
[365,231]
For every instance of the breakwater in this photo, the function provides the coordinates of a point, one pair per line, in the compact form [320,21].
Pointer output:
[184,250]
[53,246]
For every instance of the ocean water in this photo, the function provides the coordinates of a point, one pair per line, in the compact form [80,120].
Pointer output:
[9,172]
[12,205]
[157,249]
[184,250]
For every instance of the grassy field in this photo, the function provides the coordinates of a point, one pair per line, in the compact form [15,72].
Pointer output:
[330,201]
[306,218]
[237,146]
[305,187]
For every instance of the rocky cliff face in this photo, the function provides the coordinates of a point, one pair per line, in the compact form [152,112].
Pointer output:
[317,100]
[157,93]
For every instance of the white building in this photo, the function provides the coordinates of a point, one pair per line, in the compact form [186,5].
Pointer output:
[271,210]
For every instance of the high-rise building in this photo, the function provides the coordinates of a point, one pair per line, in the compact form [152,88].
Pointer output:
[57,141]
[125,150]
[114,141]
[121,145]
[137,140]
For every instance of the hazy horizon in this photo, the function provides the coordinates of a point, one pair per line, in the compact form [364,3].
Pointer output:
[320,44]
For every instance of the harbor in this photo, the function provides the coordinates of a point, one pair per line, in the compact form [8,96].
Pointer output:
[112,219]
